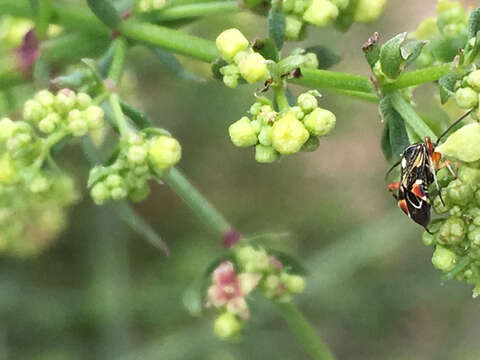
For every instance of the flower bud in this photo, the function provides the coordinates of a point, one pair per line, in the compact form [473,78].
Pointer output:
[427,29]
[242,133]
[230,81]
[459,193]
[257,125]
[227,326]
[469,175]
[295,283]
[119,193]
[265,135]
[474,236]
[272,286]
[466,98]
[311,144]
[297,112]
[7,127]
[78,127]
[252,260]
[113,181]
[265,154]
[65,100]
[463,144]
[427,239]
[230,42]
[444,259]
[99,193]
[83,101]
[319,122]
[255,108]
[137,154]
[293,27]
[320,13]
[288,135]
[368,10]
[39,184]
[452,231]
[288,5]
[47,125]
[473,79]
[33,111]
[164,152]
[45,98]
[307,102]
[94,117]
[253,67]
[310,61]
[139,194]
[8,173]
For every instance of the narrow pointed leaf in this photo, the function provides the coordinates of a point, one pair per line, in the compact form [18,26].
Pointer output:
[391,58]
[446,85]
[473,23]
[105,12]
[411,50]
[267,48]
[171,63]
[397,133]
[276,24]
[326,57]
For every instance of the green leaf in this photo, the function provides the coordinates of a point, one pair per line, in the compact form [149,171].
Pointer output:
[411,50]
[193,297]
[446,85]
[385,143]
[473,23]
[125,212]
[216,66]
[446,48]
[138,117]
[292,62]
[288,261]
[371,50]
[96,174]
[155,131]
[172,64]
[397,133]
[105,12]
[276,23]
[326,57]
[267,48]
[391,58]
[41,73]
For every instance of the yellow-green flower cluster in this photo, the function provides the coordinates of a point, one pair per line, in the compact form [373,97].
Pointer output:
[467,92]
[66,112]
[242,61]
[231,284]
[446,33]
[323,13]
[456,236]
[283,133]
[138,160]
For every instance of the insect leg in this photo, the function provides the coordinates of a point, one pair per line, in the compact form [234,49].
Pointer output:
[394,186]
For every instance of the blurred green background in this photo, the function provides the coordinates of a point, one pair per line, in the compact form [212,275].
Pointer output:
[101,292]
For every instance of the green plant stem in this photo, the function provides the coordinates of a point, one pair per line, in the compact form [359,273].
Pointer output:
[304,331]
[281,98]
[42,17]
[194,10]
[418,77]
[10,77]
[118,62]
[195,200]
[118,116]
[173,40]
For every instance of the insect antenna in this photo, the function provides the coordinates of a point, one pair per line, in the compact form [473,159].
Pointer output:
[453,125]
[393,167]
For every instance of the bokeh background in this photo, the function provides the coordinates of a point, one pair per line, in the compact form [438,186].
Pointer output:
[101,292]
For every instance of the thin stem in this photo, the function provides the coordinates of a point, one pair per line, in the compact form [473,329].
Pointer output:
[118,115]
[42,17]
[304,331]
[118,62]
[189,11]
[417,77]
[195,200]
[169,39]
[281,98]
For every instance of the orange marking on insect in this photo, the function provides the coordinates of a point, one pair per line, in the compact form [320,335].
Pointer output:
[402,204]
[417,190]
[394,186]
[436,156]
[429,144]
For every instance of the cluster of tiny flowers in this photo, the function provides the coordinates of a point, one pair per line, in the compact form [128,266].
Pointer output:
[242,61]
[149,5]
[274,134]
[323,13]
[467,92]
[66,112]
[33,200]
[446,33]
[137,162]
[254,268]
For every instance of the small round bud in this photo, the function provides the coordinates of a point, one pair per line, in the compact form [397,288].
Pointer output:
[99,193]
[452,231]
[39,184]
[94,117]
[242,133]
[474,236]
[257,125]
[307,102]
[427,29]
[439,206]
[466,98]
[8,172]
[230,81]
[74,115]
[469,175]
[7,128]
[45,98]
[164,152]
[119,193]
[227,326]
[427,239]
[459,193]
[83,101]
[239,57]
[293,27]
[255,108]
[311,144]
[230,42]
[473,79]
[266,115]
[33,111]
[297,112]
[444,259]
[295,283]
[252,260]
[288,135]
[137,154]
[47,125]
[65,100]
[319,122]
[272,286]
[265,135]
[253,67]
[310,61]
[231,69]
[139,194]
[299,6]
[113,181]
[265,154]
[287,5]
[463,144]
[320,13]
[368,10]
[78,127]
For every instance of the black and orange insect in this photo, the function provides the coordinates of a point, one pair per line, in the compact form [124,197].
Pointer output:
[419,165]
